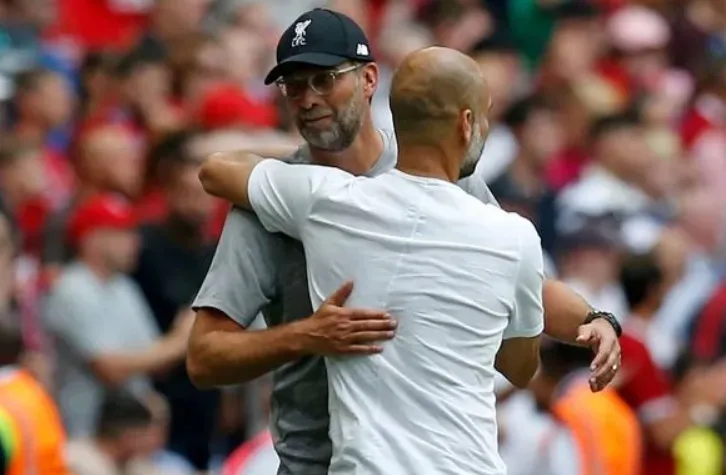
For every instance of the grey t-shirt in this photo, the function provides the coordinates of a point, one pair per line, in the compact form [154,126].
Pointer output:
[89,317]
[255,271]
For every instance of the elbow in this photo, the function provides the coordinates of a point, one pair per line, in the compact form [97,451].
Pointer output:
[522,379]
[198,370]
[209,171]
[206,175]
[111,375]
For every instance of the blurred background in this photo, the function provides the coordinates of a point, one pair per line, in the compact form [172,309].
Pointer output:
[608,132]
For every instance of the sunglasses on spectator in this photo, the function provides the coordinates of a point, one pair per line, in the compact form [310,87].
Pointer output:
[321,83]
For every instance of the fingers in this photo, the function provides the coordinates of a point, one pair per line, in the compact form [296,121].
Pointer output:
[363,350]
[604,373]
[370,337]
[358,314]
[607,354]
[602,352]
[374,325]
[340,296]
[584,335]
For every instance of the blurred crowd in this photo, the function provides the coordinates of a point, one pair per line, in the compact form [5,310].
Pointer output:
[608,131]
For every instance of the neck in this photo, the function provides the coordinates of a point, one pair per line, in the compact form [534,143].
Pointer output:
[109,449]
[31,131]
[643,312]
[426,161]
[95,265]
[357,159]
[526,175]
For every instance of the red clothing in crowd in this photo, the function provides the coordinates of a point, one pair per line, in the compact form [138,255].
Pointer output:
[708,113]
[709,336]
[647,391]
[566,167]
[228,106]
[103,24]
[152,208]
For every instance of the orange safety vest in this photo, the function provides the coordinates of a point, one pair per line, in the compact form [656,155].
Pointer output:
[605,429]
[42,441]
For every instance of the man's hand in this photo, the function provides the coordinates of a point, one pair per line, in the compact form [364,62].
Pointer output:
[178,334]
[600,336]
[335,330]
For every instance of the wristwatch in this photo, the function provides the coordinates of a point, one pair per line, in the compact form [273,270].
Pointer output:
[607,316]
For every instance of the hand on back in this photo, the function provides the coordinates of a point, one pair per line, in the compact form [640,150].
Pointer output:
[337,330]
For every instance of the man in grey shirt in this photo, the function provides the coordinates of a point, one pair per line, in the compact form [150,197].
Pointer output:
[328,76]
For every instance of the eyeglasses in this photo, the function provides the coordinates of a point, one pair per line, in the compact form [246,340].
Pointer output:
[321,83]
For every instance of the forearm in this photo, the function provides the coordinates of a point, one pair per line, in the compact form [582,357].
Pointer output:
[520,372]
[565,311]
[226,175]
[277,151]
[221,358]
[518,362]
[116,368]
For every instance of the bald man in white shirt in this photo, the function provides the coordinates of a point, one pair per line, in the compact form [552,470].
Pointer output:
[462,279]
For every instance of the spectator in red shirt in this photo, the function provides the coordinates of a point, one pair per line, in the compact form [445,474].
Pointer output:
[44,102]
[643,385]
[101,24]
[23,181]
[107,160]
[97,82]
[708,113]
[140,97]
[228,106]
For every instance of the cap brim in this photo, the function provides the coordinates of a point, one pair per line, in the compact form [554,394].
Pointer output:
[323,60]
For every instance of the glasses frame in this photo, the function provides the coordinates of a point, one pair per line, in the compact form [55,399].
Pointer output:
[334,74]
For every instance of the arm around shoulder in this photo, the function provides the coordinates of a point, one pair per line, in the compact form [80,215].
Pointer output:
[518,357]
[226,175]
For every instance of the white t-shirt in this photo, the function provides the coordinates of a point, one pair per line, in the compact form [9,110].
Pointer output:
[457,274]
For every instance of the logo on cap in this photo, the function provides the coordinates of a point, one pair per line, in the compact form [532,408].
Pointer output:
[361,50]
[300,31]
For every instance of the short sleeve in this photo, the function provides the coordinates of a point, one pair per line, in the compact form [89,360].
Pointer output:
[243,275]
[527,318]
[282,194]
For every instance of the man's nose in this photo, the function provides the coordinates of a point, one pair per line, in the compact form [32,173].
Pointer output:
[309,99]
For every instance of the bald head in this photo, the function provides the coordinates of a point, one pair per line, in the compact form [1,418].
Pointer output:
[431,91]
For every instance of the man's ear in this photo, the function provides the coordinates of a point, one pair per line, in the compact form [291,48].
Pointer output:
[466,124]
[370,75]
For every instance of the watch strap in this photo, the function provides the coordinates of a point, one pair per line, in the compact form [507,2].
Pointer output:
[609,317]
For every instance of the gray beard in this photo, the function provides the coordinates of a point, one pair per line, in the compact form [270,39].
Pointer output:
[342,133]
[476,148]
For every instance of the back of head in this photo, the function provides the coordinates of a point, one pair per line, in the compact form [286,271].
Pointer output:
[121,412]
[168,155]
[611,124]
[28,81]
[430,90]
[640,277]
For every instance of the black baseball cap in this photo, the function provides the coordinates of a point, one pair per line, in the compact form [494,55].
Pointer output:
[322,38]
